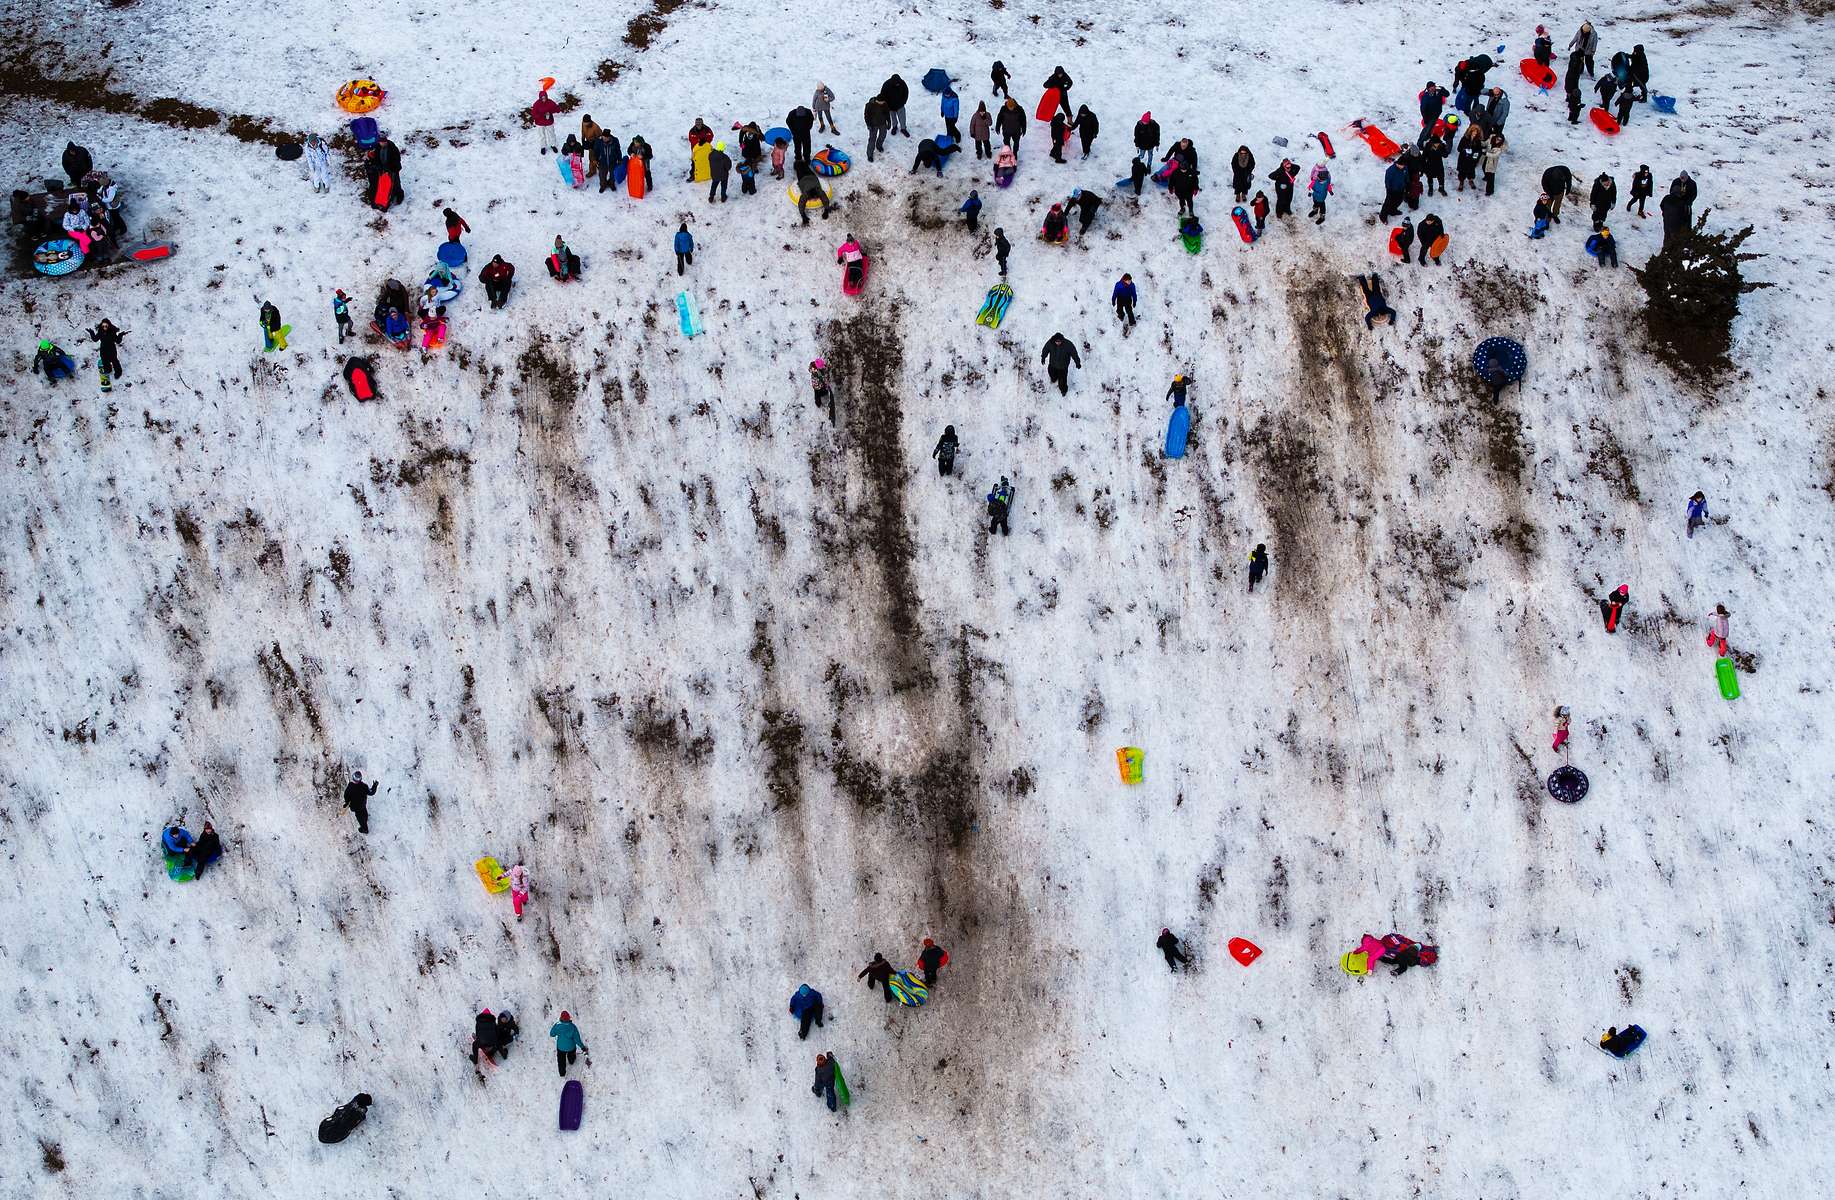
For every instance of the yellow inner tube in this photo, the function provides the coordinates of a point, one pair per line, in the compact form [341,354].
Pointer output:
[360,96]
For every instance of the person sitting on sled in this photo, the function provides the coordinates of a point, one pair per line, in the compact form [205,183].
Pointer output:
[395,327]
[853,261]
[1006,165]
[1057,226]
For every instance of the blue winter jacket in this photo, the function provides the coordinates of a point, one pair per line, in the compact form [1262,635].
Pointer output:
[805,1000]
[1122,291]
[1697,508]
[396,326]
[952,107]
[971,205]
[684,243]
[1320,187]
[566,1036]
[339,306]
[1395,178]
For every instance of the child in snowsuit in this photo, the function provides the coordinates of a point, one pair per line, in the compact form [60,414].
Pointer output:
[1319,184]
[455,225]
[567,1042]
[971,210]
[945,450]
[1258,564]
[340,311]
[684,249]
[1259,207]
[1123,298]
[933,957]
[806,1007]
[519,888]
[1606,248]
[1697,512]
[1561,719]
[818,381]
[272,335]
[1169,946]
[1614,606]
[1717,632]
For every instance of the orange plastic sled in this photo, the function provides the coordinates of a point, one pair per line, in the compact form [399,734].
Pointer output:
[1378,141]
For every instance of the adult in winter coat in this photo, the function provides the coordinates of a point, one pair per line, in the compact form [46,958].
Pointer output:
[1146,137]
[1697,512]
[1169,946]
[809,191]
[1123,297]
[999,501]
[609,154]
[1011,123]
[1087,128]
[1086,202]
[1495,112]
[1395,181]
[799,121]
[496,277]
[1433,164]
[345,1118]
[700,134]
[896,93]
[1060,133]
[1058,355]
[484,1036]
[878,120]
[1585,44]
[1258,564]
[945,454]
[1556,181]
[929,154]
[1283,178]
[824,1087]
[590,132]
[806,1007]
[950,108]
[1185,154]
[1683,185]
[77,163]
[1471,148]
[1640,72]
[1060,79]
[684,249]
[1183,183]
[1376,305]
[719,169]
[999,75]
[273,333]
[1495,146]
[1002,248]
[108,347]
[357,795]
[1242,173]
[1403,237]
[204,851]
[1604,196]
[1433,102]
[981,130]
[567,1042]
[878,973]
[1429,232]
[823,105]
[1607,85]
[541,115]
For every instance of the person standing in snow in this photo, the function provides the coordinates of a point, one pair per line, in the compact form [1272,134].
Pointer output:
[878,973]
[1717,632]
[1697,512]
[1488,159]
[541,114]
[108,347]
[951,108]
[496,277]
[878,122]
[1058,355]
[357,795]
[1002,248]
[945,451]
[932,958]
[1242,173]
[684,249]
[1614,605]
[1087,127]
[1122,297]
[1258,564]
[1011,124]
[1319,184]
[484,1037]
[1544,47]
[824,1088]
[345,1118]
[507,1029]
[779,151]
[1433,164]
[567,1043]
[1169,946]
[1403,237]
[1060,133]
[1183,183]
[1432,100]
[455,224]
[1585,45]
[1495,112]
[799,121]
[1561,723]
[1146,137]
[1395,181]
[896,93]
[273,333]
[806,1007]
[719,167]
[340,312]
[1555,184]
[318,162]
[999,501]
[971,210]
[823,105]
[1430,232]
[999,75]
[1643,185]
[78,162]
[818,381]
[1060,79]
[519,888]
[1283,178]
[1259,207]
[981,130]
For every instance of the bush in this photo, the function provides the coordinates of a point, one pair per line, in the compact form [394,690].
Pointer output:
[1694,289]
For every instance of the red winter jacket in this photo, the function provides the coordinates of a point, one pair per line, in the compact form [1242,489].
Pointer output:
[543,110]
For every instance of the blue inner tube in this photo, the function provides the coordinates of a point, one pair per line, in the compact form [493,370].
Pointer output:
[59,256]
[1508,354]
[1568,784]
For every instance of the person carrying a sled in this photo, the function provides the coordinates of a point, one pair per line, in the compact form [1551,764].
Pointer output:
[945,454]
[878,973]
[999,500]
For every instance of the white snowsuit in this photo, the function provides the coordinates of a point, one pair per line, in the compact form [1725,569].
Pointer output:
[318,158]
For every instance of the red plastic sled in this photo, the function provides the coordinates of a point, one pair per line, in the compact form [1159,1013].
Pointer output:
[1326,142]
[1378,141]
[385,191]
[634,180]
[854,285]
[357,375]
[1543,77]
[1602,121]
[149,252]
[1244,951]
[1048,104]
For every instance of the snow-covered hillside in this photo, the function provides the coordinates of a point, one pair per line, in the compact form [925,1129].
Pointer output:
[754,695]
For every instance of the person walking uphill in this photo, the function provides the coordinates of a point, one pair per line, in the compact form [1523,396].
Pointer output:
[1087,128]
[933,958]
[950,109]
[1123,298]
[824,1089]
[1613,606]
[484,1037]
[1000,500]
[1717,629]
[273,333]
[998,75]
[1058,355]
[1283,178]
[719,168]
[541,115]
[878,121]
[684,249]
[357,798]
[945,454]
[1242,173]
[1060,79]
[1146,137]
[567,1043]
[806,1007]
[1169,946]
[878,973]
[1011,124]
[896,93]
[1258,564]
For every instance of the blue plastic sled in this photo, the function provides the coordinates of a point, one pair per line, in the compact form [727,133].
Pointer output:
[1178,429]
[573,1102]
[936,79]
[1593,245]
[778,131]
[364,130]
[1636,1036]
[452,254]
[689,313]
[1663,104]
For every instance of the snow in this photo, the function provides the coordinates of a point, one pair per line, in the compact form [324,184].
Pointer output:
[754,696]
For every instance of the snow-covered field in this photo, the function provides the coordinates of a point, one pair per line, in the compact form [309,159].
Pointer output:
[754,695]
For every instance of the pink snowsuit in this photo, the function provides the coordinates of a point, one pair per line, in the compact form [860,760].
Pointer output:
[1560,732]
[777,159]
[519,887]
[1717,633]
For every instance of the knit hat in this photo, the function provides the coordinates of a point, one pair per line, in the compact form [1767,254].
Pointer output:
[564,1015]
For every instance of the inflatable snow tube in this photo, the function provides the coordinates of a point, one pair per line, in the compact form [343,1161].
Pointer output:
[1509,356]
[831,162]
[446,289]
[60,256]
[796,194]
[1568,784]
[360,96]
